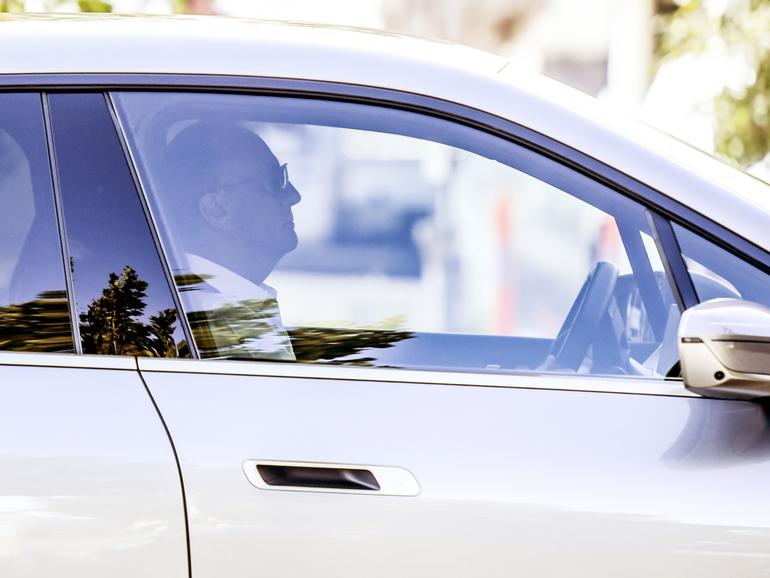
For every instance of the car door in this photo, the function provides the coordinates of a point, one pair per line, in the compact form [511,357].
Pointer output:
[429,350]
[89,485]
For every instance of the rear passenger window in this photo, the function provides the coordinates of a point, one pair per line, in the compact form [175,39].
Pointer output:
[33,300]
[123,299]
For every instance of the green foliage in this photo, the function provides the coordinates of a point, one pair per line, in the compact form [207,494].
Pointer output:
[112,323]
[94,6]
[741,31]
[225,331]
[39,325]
[11,6]
[229,331]
[179,6]
[161,342]
[348,346]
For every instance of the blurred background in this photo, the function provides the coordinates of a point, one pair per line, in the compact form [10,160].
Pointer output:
[696,69]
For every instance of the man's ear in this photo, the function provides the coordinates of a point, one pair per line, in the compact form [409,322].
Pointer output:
[215,210]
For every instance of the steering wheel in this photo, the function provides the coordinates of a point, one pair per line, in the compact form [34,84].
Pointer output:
[582,322]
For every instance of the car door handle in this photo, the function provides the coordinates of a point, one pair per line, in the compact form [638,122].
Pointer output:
[325,477]
[318,477]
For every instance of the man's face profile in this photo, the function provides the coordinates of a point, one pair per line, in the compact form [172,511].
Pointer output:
[251,204]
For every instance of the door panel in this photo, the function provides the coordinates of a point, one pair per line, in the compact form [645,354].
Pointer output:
[512,481]
[89,485]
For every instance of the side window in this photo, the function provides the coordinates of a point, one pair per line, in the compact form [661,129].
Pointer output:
[326,232]
[33,300]
[124,302]
[717,273]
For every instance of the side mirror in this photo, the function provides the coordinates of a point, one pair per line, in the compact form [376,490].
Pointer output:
[724,348]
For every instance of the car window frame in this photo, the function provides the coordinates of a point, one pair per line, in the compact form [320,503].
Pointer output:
[141,197]
[662,210]
[629,215]
[42,116]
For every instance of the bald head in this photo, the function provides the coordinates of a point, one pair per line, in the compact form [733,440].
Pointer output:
[199,158]
[234,203]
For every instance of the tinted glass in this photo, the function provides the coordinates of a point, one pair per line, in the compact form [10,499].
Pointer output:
[33,301]
[123,299]
[337,233]
[716,272]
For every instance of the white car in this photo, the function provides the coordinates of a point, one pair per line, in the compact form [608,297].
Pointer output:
[289,300]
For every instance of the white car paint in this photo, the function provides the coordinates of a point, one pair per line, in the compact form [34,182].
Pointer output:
[88,481]
[513,481]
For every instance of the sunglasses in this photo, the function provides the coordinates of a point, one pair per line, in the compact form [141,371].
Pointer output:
[277,181]
[282,175]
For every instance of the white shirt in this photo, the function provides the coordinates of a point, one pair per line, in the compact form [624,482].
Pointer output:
[232,316]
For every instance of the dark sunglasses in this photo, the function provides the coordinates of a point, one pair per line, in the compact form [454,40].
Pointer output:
[277,181]
[283,180]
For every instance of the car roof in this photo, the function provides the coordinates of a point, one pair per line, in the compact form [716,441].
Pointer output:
[74,43]
[216,45]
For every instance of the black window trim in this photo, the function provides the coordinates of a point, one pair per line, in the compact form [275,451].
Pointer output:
[673,262]
[663,210]
[63,243]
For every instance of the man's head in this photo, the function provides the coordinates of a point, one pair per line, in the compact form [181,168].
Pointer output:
[239,198]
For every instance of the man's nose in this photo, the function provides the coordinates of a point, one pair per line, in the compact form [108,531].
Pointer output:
[292,195]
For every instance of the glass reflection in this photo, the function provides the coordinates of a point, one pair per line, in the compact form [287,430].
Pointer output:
[109,237]
[112,324]
[419,243]
[235,209]
[344,346]
[42,324]
[34,312]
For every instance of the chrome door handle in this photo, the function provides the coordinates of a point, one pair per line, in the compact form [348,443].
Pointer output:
[325,477]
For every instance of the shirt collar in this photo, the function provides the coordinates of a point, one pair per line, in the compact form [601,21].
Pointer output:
[226,281]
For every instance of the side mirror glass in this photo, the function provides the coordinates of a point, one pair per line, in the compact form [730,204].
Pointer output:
[724,348]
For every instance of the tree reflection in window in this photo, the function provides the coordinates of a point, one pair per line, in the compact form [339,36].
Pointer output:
[349,346]
[113,322]
[40,325]
[237,330]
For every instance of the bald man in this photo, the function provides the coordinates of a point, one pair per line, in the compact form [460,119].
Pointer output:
[233,224]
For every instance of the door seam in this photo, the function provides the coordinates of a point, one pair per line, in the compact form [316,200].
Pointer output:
[178,468]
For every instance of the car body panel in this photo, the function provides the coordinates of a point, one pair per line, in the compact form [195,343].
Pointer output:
[512,480]
[89,484]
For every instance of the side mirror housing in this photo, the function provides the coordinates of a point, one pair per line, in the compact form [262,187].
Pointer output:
[724,348]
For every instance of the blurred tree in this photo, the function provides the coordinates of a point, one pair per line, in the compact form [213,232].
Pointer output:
[177,6]
[193,7]
[94,6]
[11,6]
[343,346]
[111,325]
[741,30]
[161,342]
[39,325]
